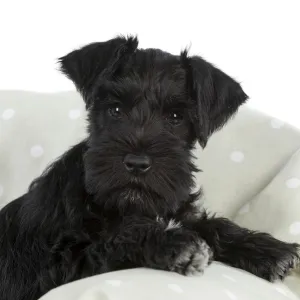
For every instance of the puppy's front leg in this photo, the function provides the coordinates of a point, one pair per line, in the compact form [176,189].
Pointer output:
[255,252]
[158,244]
[133,242]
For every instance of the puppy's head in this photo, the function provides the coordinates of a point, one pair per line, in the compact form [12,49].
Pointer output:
[147,108]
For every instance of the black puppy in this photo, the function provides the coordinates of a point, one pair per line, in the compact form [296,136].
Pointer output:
[123,197]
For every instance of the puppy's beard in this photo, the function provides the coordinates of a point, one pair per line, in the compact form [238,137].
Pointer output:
[135,199]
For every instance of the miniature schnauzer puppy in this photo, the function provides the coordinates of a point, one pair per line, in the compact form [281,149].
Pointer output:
[123,197]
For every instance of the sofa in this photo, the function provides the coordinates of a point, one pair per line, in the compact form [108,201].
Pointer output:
[251,174]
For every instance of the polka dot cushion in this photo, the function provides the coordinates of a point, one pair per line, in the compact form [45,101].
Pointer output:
[276,209]
[243,175]
[218,282]
[35,129]
[242,158]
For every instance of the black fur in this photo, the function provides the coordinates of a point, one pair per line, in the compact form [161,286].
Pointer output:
[86,214]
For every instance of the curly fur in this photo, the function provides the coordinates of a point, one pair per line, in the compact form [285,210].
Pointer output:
[86,214]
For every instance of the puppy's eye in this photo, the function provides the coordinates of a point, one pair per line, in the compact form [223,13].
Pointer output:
[115,112]
[175,117]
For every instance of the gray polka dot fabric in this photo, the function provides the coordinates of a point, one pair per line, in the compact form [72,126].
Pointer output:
[218,282]
[277,207]
[251,168]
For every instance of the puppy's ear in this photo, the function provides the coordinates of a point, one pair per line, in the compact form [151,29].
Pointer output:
[103,59]
[217,96]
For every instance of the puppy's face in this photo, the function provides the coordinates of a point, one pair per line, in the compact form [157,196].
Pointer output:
[141,136]
[146,109]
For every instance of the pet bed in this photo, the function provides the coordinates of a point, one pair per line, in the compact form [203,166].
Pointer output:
[251,174]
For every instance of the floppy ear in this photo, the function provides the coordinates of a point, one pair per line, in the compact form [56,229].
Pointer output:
[97,60]
[217,96]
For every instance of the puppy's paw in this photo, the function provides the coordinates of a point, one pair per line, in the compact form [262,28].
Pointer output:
[286,260]
[193,259]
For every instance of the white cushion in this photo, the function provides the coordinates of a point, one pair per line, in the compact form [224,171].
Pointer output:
[238,163]
[218,282]
[276,209]
[242,158]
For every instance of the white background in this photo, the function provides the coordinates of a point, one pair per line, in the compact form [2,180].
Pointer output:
[257,42]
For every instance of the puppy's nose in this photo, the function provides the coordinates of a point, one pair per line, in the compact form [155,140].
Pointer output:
[137,163]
